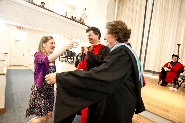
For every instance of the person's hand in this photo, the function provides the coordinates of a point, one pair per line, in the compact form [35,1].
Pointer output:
[51,78]
[165,68]
[84,49]
[169,65]
[80,54]
[71,45]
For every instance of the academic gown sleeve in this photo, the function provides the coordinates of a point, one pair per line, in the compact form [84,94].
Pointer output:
[78,89]
[166,65]
[96,60]
[178,68]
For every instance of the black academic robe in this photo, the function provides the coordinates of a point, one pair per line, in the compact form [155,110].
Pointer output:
[95,60]
[114,85]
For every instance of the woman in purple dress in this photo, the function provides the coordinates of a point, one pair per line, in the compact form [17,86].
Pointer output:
[42,94]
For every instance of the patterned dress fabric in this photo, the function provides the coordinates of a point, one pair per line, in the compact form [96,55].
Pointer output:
[41,99]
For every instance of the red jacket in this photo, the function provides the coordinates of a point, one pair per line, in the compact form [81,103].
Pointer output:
[175,71]
[82,66]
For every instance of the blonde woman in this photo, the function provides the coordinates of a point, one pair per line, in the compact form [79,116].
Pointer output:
[42,96]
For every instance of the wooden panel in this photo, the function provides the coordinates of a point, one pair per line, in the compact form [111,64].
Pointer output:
[20,13]
[49,22]
[39,18]
[43,20]
[10,10]
[31,16]
[61,26]
[2,110]
[55,21]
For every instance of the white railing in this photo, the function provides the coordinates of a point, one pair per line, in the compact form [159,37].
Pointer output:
[22,13]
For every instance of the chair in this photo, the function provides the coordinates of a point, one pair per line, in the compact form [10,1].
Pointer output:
[63,57]
[176,83]
[70,56]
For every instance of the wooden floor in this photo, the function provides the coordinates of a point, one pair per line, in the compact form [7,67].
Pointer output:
[164,102]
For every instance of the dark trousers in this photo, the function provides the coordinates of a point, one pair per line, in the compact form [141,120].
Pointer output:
[163,76]
[91,112]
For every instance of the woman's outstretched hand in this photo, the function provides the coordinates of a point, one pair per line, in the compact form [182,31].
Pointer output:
[71,45]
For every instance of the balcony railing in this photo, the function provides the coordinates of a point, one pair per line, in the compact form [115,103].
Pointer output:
[22,13]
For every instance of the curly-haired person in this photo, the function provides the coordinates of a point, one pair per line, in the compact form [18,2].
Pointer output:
[115,85]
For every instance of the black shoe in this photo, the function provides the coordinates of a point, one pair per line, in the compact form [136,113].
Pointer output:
[163,83]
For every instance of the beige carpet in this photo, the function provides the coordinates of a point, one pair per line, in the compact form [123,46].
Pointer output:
[163,101]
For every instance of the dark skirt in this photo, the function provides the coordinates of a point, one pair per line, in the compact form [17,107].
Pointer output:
[41,100]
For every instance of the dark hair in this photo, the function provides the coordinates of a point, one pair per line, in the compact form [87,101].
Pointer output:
[95,30]
[119,30]
[42,2]
[175,56]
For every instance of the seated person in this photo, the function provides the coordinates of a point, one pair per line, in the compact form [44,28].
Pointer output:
[42,4]
[171,70]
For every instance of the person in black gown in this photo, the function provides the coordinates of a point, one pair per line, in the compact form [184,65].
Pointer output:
[115,85]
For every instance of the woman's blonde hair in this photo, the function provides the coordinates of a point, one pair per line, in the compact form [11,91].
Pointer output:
[44,40]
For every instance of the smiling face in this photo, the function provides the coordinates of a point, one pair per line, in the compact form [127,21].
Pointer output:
[49,46]
[46,45]
[174,59]
[116,32]
[93,38]
[110,40]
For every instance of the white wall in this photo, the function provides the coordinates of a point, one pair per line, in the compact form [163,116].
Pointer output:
[4,37]
[2,83]
[111,10]
[97,17]
[61,7]
[2,90]
[31,42]
[57,6]
[97,12]
[48,3]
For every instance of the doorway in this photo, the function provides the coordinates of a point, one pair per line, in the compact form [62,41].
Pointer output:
[18,47]
[17,52]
